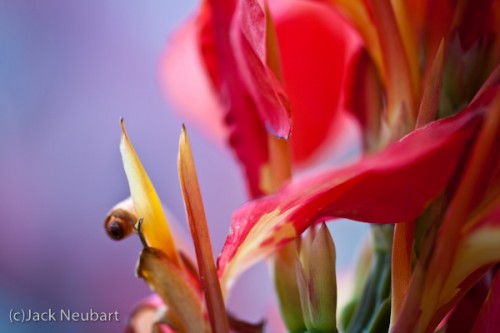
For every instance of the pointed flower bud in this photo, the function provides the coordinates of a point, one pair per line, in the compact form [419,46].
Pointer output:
[285,264]
[317,281]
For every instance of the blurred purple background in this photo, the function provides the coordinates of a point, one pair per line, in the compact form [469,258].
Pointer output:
[68,70]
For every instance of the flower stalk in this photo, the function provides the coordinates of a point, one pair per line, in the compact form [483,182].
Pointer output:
[201,238]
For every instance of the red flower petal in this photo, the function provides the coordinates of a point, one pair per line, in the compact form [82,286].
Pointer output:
[233,40]
[237,88]
[231,51]
[393,186]
[249,43]
[187,85]
[314,42]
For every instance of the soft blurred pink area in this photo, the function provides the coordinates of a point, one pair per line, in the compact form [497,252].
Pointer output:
[68,70]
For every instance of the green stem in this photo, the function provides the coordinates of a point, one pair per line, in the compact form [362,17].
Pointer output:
[377,287]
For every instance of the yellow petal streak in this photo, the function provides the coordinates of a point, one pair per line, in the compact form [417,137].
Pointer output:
[146,202]
[256,244]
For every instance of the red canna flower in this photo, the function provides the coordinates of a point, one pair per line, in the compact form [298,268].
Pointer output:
[270,78]
[246,59]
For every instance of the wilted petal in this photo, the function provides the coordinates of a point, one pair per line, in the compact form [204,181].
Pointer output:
[367,191]
[174,286]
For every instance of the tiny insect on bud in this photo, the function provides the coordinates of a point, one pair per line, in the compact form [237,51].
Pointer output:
[119,223]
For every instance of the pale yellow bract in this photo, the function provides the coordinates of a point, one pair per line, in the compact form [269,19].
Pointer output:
[146,202]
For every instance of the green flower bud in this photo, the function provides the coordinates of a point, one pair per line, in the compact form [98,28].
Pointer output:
[284,265]
[317,280]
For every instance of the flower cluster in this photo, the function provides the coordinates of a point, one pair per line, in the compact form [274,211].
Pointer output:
[283,82]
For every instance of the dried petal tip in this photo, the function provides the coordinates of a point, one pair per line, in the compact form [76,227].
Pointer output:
[172,284]
[120,220]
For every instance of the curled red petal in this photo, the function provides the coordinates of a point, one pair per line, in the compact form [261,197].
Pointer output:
[249,43]
[233,40]
[393,186]
[230,52]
